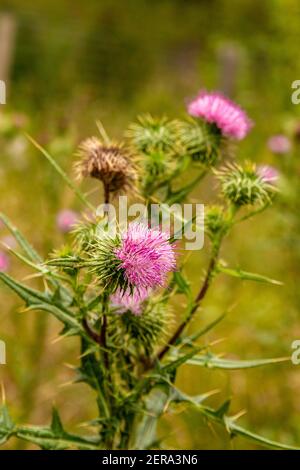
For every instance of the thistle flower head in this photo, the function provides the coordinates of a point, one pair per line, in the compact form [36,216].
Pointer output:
[146,256]
[129,301]
[268,173]
[279,144]
[139,258]
[110,163]
[214,108]
[243,185]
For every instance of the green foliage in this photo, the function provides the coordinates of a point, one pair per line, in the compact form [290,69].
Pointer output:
[120,358]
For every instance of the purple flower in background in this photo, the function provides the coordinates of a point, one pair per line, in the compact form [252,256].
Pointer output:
[66,219]
[279,144]
[146,256]
[216,108]
[268,173]
[4,262]
[127,300]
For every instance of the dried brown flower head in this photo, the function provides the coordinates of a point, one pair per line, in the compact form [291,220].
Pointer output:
[110,163]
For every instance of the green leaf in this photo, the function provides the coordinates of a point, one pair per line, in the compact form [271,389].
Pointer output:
[56,424]
[246,276]
[40,301]
[6,425]
[224,408]
[234,429]
[45,438]
[229,422]
[60,171]
[183,286]
[190,339]
[91,372]
[213,362]
[145,431]
[28,249]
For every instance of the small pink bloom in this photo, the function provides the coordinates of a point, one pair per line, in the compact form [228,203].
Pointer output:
[66,219]
[268,173]
[123,301]
[226,115]
[146,256]
[4,262]
[279,144]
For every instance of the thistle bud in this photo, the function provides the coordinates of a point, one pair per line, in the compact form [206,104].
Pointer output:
[244,185]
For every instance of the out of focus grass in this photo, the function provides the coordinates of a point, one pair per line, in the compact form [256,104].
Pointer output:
[77,62]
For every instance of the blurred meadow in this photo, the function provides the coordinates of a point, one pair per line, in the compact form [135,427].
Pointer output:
[69,63]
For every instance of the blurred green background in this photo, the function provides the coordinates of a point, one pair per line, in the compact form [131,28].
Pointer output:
[68,63]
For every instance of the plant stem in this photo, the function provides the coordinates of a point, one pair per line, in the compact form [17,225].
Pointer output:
[200,296]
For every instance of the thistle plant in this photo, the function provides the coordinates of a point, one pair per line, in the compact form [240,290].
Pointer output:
[116,291]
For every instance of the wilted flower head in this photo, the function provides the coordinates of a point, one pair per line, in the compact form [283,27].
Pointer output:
[133,301]
[110,163]
[243,185]
[4,262]
[139,258]
[146,256]
[268,173]
[66,220]
[229,118]
[279,144]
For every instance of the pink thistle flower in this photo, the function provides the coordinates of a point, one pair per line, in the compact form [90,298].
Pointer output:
[4,262]
[279,144]
[127,300]
[268,173]
[66,219]
[215,108]
[146,256]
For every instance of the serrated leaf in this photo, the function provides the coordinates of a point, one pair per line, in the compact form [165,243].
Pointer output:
[246,276]
[28,249]
[213,362]
[235,429]
[40,301]
[6,425]
[47,440]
